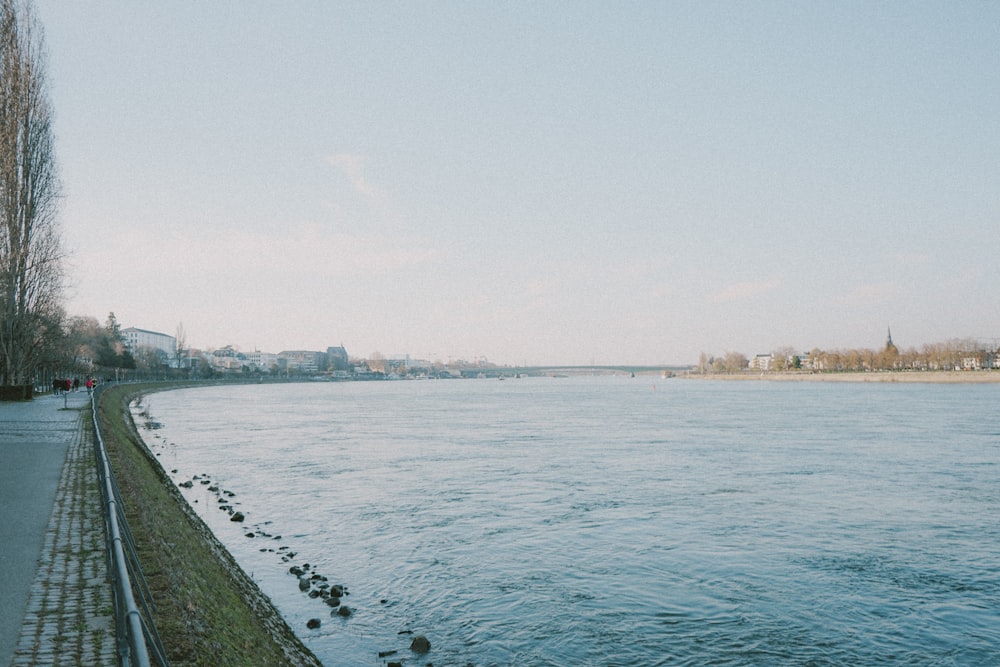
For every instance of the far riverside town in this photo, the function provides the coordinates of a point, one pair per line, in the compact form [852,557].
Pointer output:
[159,355]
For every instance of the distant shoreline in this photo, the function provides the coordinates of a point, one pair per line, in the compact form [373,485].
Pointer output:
[929,377]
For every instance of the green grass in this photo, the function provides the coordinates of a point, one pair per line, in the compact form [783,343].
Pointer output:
[208,612]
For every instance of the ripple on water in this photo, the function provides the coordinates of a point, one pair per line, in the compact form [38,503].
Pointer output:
[591,521]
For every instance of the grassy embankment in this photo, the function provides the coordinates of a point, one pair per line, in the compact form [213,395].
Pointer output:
[209,612]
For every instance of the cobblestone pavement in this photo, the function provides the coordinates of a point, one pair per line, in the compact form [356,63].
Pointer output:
[69,619]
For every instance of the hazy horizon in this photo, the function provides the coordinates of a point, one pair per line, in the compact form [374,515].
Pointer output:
[559,183]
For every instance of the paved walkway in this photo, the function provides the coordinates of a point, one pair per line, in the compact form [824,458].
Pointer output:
[57,599]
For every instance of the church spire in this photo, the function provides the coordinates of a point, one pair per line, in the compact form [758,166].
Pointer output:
[888,340]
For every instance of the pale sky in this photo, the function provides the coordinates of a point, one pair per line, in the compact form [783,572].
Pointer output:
[550,182]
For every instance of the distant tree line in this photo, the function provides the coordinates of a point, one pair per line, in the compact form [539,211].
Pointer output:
[949,355]
[96,348]
[730,362]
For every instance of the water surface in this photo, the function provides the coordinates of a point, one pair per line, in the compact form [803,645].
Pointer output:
[611,521]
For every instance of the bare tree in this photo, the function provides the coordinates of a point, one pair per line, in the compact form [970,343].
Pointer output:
[180,338]
[31,276]
[704,363]
[735,362]
[784,358]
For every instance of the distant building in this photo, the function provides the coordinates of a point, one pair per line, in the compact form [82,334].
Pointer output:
[403,361]
[337,358]
[972,362]
[137,339]
[889,345]
[303,361]
[761,362]
[227,359]
[262,361]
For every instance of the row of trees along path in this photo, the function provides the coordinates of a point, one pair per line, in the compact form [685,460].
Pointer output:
[31,259]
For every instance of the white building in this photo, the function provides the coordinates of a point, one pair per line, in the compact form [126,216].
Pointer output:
[972,363]
[304,361]
[262,361]
[136,339]
[761,362]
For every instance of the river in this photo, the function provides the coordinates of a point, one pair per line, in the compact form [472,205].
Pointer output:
[608,520]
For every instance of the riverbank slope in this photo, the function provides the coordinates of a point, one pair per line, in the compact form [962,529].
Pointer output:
[208,611]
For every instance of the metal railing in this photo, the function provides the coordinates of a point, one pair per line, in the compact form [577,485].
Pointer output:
[134,629]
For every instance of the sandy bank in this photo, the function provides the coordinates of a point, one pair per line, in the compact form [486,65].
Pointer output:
[942,377]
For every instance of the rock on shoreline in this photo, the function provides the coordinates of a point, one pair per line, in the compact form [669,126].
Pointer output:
[209,611]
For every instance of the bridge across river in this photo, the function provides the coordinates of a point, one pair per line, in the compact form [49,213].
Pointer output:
[560,371]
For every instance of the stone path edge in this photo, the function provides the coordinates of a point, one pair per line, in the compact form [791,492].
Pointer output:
[69,617]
